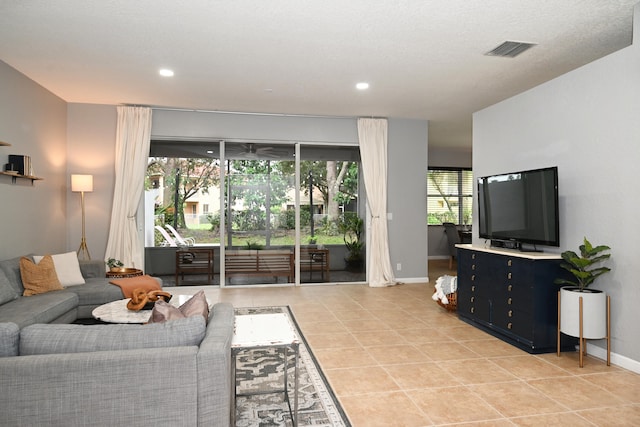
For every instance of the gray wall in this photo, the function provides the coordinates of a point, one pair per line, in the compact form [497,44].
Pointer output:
[587,123]
[91,150]
[33,121]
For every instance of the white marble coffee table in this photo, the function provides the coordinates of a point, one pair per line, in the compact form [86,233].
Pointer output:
[117,311]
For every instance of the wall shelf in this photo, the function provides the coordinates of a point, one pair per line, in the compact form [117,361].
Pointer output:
[15,177]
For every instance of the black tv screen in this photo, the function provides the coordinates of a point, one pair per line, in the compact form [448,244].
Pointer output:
[521,207]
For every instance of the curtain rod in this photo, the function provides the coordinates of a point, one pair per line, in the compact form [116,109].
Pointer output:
[195,110]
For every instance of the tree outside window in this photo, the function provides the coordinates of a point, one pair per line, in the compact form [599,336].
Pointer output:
[449,196]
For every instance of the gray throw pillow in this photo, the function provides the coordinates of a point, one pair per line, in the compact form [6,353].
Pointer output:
[9,339]
[54,339]
[7,292]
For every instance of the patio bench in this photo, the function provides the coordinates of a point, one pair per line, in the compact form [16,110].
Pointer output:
[266,262]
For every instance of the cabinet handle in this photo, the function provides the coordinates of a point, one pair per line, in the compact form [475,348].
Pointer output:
[509,276]
[473,299]
[510,314]
[509,301]
[509,263]
[473,277]
[473,266]
[473,256]
[509,325]
[473,288]
[472,309]
[509,288]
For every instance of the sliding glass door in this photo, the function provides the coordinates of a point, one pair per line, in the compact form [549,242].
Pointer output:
[271,213]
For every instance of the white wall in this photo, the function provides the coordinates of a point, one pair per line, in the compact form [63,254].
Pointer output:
[587,122]
[33,121]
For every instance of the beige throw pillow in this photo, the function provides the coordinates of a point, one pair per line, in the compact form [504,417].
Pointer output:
[39,278]
[67,268]
[196,305]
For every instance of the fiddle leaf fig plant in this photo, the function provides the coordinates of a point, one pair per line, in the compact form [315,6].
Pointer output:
[583,266]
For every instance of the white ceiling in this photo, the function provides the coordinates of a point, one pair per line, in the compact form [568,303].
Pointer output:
[423,58]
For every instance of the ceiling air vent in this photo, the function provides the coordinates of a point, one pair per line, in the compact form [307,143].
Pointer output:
[510,49]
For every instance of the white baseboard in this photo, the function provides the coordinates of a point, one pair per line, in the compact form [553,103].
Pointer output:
[616,359]
[412,279]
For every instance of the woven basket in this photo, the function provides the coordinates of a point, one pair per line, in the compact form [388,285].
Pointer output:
[453,302]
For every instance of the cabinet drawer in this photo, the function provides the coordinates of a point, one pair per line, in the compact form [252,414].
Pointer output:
[510,296]
[514,321]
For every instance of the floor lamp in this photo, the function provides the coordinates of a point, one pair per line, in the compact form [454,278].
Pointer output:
[82,184]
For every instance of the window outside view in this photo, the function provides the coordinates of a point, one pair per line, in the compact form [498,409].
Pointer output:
[449,196]
[258,189]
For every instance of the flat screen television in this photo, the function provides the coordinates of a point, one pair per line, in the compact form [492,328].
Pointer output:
[520,207]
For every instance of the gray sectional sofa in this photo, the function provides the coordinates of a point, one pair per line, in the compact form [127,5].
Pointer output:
[74,302]
[57,374]
[175,373]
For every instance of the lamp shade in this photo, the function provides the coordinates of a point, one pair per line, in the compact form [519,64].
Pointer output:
[82,183]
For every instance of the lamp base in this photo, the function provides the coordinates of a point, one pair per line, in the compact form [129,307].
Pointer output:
[84,250]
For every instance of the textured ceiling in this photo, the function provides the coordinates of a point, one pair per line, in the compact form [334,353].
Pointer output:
[423,58]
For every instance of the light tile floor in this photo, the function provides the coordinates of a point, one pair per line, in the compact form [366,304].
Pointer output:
[396,358]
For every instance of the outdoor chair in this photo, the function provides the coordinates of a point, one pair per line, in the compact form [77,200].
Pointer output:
[182,241]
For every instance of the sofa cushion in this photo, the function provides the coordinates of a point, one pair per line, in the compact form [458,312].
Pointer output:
[67,268]
[195,306]
[42,308]
[96,292]
[39,278]
[7,292]
[55,339]
[9,339]
[11,268]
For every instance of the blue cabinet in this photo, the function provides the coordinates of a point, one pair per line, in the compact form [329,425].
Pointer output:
[511,295]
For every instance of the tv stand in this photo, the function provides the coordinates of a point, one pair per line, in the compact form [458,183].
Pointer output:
[511,295]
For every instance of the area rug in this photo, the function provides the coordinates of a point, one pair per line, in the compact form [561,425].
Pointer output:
[262,370]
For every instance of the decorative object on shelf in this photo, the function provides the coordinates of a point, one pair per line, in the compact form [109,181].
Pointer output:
[82,184]
[582,312]
[114,264]
[20,163]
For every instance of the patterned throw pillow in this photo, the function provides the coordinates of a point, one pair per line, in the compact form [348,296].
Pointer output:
[39,278]
[196,305]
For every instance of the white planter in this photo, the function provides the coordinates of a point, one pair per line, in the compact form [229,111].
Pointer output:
[594,312]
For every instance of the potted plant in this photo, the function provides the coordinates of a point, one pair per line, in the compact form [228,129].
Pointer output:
[114,264]
[585,268]
[352,227]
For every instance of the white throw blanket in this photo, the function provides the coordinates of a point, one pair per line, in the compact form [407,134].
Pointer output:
[445,285]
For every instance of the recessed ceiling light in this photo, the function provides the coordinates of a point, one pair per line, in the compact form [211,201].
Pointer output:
[362,86]
[165,72]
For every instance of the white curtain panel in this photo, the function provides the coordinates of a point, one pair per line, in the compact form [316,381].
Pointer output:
[372,134]
[132,152]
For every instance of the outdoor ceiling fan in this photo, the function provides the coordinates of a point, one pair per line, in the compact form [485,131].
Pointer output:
[252,151]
